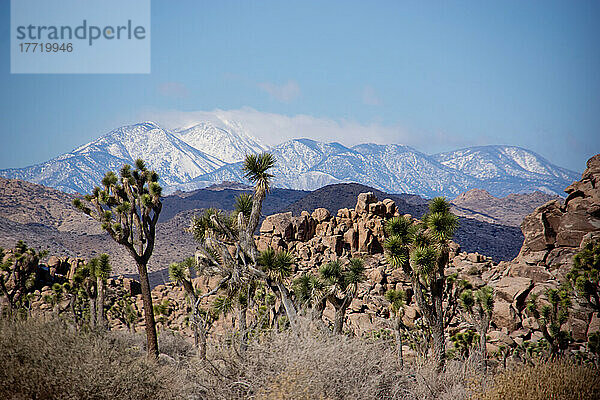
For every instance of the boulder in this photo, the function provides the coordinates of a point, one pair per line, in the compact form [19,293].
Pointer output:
[363,201]
[321,215]
[540,227]
[280,224]
[536,273]
[504,315]
[513,289]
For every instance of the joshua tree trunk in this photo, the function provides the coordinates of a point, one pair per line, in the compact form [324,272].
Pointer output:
[439,346]
[92,302]
[201,341]
[482,331]
[151,338]
[243,328]
[101,320]
[398,334]
[340,313]
[290,310]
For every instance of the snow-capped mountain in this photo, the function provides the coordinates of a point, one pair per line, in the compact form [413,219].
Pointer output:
[508,169]
[229,146]
[82,169]
[211,152]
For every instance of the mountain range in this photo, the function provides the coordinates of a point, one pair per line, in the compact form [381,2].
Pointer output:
[206,153]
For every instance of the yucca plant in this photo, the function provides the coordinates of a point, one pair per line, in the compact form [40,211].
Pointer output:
[552,316]
[226,245]
[17,274]
[478,307]
[421,249]
[585,275]
[128,206]
[397,299]
[311,295]
[341,286]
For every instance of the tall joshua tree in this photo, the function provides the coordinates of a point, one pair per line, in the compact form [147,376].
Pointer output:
[422,251]
[128,207]
[478,307]
[226,245]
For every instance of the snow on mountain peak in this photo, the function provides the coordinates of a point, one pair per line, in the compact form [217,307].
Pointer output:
[211,150]
[228,146]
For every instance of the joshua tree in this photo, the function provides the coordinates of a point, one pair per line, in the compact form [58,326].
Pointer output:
[478,307]
[128,207]
[397,300]
[551,318]
[464,341]
[585,275]
[341,285]
[102,270]
[422,251]
[226,245]
[17,274]
[310,295]
[85,279]
[123,310]
[278,267]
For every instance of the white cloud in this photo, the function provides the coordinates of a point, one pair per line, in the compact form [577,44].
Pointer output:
[272,129]
[284,93]
[370,96]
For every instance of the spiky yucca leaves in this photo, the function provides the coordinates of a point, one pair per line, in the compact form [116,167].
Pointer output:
[128,206]
[552,316]
[243,205]
[17,274]
[256,167]
[585,275]
[278,265]
[309,289]
[464,341]
[421,250]
[341,284]
[478,307]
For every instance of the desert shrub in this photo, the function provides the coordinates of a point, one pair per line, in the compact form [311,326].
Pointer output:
[51,360]
[559,379]
[310,364]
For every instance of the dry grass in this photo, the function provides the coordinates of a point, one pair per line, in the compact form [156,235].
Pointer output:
[316,365]
[545,380]
[50,360]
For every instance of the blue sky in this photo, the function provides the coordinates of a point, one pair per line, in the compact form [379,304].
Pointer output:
[436,76]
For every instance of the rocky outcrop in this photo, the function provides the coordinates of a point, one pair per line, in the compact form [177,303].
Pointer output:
[320,236]
[553,233]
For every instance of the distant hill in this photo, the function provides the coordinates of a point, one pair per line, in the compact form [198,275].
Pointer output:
[343,195]
[224,198]
[509,210]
